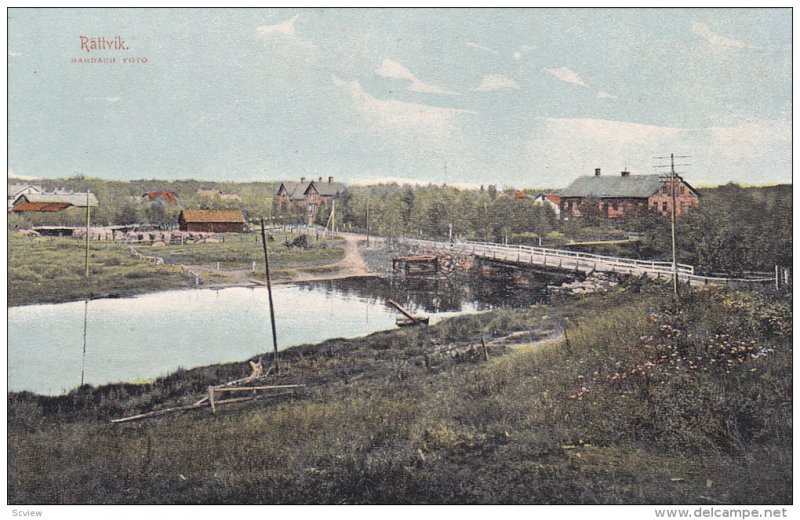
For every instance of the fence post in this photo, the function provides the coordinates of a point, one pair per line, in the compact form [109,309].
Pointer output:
[777,280]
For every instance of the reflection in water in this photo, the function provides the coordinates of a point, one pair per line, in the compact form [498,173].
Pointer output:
[439,294]
[151,335]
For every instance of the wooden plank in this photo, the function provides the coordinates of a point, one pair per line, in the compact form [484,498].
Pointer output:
[252,388]
[401,309]
[211,399]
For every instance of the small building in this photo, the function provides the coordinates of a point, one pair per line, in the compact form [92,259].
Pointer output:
[79,200]
[15,189]
[551,199]
[211,220]
[618,196]
[164,196]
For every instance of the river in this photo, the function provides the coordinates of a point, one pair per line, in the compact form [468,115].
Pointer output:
[144,337]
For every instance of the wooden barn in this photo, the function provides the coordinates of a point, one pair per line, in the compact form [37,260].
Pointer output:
[618,196]
[213,221]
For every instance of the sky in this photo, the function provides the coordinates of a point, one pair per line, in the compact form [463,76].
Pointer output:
[512,97]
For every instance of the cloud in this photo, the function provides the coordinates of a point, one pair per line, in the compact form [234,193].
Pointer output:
[494,82]
[757,151]
[389,116]
[605,95]
[284,29]
[522,51]
[392,69]
[481,47]
[113,99]
[704,31]
[13,54]
[565,74]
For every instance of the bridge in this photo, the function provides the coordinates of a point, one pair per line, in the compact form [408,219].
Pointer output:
[582,262]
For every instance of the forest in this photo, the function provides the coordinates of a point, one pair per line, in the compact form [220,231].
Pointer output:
[735,230]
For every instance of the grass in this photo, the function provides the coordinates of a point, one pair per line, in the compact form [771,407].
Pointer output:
[52,269]
[608,416]
[240,250]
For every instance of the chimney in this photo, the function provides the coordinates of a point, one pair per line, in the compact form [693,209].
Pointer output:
[302,180]
[597,172]
[330,180]
[625,173]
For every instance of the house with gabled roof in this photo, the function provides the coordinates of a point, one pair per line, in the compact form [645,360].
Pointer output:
[311,194]
[211,220]
[617,196]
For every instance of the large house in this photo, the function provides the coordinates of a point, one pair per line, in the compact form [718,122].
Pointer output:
[615,196]
[214,221]
[313,195]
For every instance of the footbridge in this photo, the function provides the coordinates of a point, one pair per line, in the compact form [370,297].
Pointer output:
[582,262]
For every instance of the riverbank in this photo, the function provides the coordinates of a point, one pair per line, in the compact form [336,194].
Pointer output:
[52,270]
[643,401]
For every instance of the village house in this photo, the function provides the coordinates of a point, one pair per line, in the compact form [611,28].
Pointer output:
[214,194]
[551,199]
[80,200]
[160,196]
[16,189]
[618,196]
[313,195]
[213,221]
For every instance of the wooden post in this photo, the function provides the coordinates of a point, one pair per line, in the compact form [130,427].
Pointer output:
[269,292]
[87,233]
[777,279]
[83,359]
[211,400]
[485,350]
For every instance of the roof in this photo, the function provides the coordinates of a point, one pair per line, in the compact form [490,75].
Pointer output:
[166,195]
[44,207]
[212,215]
[599,186]
[14,188]
[328,189]
[75,199]
[297,190]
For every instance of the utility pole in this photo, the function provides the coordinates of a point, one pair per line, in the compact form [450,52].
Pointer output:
[673,178]
[87,234]
[269,293]
[369,196]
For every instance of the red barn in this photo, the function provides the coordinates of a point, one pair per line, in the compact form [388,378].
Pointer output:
[213,221]
[617,196]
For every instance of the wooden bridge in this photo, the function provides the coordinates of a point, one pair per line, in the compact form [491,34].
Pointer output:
[583,262]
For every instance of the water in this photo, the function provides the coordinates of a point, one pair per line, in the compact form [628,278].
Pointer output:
[152,335]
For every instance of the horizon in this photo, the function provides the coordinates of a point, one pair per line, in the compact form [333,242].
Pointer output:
[494,96]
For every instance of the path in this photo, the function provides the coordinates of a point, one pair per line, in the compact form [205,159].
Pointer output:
[351,265]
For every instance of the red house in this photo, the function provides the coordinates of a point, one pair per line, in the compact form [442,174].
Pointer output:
[617,196]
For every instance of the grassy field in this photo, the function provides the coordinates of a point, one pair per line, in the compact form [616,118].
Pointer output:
[646,401]
[240,250]
[52,269]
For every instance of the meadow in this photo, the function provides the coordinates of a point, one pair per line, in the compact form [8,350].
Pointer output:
[52,269]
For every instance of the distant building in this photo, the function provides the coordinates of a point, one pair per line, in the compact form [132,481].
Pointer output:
[165,196]
[16,189]
[214,194]
[41,207]
[551,199]
[214,221]
[615,196]
[313,195]
[80,200]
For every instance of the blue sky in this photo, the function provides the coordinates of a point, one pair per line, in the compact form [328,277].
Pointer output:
[521,97]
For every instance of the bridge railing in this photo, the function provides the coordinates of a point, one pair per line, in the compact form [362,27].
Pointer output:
[470,246]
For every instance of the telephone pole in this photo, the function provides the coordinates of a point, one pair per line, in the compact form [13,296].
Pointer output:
[673,178]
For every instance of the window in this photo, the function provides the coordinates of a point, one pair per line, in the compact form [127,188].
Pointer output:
[664,207]
[614,206]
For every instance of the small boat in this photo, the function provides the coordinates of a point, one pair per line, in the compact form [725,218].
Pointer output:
[404,321]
